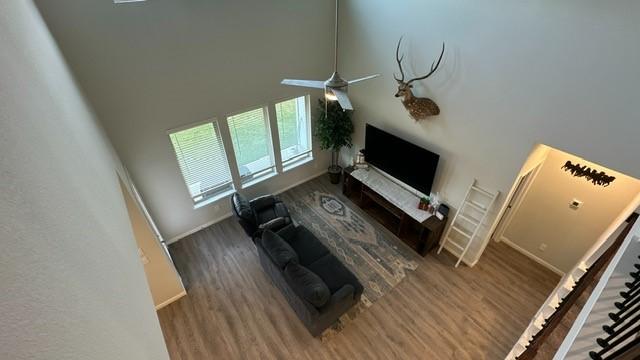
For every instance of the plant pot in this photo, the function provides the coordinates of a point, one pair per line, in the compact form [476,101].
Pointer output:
[335,173]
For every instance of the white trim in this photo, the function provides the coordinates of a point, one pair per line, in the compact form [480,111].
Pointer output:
[229,214]
[526,253]
[528,180]
[171,300]
[596,293]
[198,228]
[301,181]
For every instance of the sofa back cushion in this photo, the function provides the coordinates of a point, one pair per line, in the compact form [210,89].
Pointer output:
[280,252]
[306,284]
[242,207]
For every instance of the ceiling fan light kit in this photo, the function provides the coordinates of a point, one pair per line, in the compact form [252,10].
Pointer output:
[335,88]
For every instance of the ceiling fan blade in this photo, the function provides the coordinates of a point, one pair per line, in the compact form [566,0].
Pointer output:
[363,79]
[316,84]
[343,99]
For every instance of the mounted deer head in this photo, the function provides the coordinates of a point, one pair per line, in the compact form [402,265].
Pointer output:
[419,108]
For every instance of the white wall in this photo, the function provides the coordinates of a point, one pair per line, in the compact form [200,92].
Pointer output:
[154,66]
[72,284]
[546,218]
[164,281]
[515,74]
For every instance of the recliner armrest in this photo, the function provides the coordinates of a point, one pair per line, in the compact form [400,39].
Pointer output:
[263,202]
[276,223]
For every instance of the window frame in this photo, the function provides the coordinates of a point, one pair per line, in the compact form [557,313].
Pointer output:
[224,190]
[246,181]
[303,157]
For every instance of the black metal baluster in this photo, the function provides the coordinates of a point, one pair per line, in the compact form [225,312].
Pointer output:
[631,292]
[626,301]
[633,283]
[624,350]
[610,329]
[613,333]
[623,309]
[598,355]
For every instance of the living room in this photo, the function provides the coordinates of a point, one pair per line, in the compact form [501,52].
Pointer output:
[496,82]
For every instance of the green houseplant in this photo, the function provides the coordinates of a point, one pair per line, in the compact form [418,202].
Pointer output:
[333,128]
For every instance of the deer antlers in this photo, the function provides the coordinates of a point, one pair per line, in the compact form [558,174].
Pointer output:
[434,65]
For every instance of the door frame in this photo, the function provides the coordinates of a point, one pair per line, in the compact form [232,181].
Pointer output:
[522,186]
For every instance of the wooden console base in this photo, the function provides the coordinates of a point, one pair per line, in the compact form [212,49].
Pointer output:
[421,237]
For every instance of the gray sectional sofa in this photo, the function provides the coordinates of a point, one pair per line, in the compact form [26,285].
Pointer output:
[316,284]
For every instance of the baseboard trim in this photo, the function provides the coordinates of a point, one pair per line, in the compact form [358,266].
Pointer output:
[229,214]
[195,230]
[531,256]
[171,300]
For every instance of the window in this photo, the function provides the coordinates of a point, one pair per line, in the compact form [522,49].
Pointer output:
[203,162]
[295,132]
[252,145]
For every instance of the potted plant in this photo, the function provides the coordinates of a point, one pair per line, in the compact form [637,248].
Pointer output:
[333,129]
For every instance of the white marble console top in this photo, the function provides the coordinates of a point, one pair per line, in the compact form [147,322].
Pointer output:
[392,192]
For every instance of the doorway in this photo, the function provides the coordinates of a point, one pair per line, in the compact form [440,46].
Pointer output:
[557,218]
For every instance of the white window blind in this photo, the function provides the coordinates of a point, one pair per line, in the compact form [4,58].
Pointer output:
[294,129]
[252,145]
[203,161]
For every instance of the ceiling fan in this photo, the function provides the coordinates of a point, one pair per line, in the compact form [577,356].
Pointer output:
[335,88]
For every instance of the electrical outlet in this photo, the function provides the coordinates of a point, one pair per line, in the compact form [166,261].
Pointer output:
[542,247]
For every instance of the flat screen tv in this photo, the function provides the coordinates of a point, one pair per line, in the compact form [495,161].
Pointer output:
[407,162]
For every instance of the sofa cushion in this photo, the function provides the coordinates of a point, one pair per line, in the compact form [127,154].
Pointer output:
[334,273]
[242,207]
[306,245]
[306,284]
[280,252]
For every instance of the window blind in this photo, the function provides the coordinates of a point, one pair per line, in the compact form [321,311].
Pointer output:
[202,161]
[252,145]
[294,130]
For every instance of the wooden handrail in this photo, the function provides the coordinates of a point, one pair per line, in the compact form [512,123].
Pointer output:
[568,301]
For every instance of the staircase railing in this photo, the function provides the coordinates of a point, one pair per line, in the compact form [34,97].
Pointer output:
[529,344]
[622,340]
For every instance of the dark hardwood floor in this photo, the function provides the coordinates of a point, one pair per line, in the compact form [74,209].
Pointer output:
[232,311]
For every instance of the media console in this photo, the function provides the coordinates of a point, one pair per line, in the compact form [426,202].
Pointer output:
[394,207]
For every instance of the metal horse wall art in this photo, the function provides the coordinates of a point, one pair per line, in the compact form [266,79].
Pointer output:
[592,175]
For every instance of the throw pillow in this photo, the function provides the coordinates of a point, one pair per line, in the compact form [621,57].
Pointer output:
[307,285]
[279,250]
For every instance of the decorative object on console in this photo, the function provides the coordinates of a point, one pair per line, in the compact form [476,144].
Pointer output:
[591,175]
[333,128]
[419,108]
[424,203]
[360,162]
[442,212]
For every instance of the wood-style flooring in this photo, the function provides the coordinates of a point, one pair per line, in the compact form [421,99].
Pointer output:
[232,311]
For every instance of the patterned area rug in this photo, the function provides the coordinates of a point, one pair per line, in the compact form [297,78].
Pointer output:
[378,260]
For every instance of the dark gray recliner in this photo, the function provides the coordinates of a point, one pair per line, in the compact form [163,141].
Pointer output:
[315,283]
[264,212]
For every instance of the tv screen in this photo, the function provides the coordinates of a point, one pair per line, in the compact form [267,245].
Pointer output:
[407,162]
